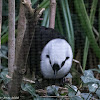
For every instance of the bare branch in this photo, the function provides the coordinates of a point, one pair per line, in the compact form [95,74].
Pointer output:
[32,17]
[21,29]
[11,36]
[52,13]
[76,61]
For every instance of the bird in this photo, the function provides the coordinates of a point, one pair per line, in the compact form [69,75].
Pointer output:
[50,55]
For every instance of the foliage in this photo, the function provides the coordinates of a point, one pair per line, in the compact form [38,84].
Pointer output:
[29,88]
[87,25]
[93,85]
[5,81]
[92,16]
[89,81]
[4,77]
[64,24]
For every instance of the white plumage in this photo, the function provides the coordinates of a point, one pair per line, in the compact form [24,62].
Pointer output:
[57,51]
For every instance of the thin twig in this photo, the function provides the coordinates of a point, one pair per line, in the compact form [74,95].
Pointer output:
[59,97]
[55,96]
[96,32]
[27,80]
[24,79]
[76,61]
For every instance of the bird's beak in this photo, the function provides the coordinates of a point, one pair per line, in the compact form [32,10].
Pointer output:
[55,73]
[55,68]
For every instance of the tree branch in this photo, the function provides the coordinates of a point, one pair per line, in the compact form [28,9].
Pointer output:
[32,17]
[52,13]
[21,29]
[11,36]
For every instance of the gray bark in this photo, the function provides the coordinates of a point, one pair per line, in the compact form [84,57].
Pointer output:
[32,16]
[52,13]
[11,36]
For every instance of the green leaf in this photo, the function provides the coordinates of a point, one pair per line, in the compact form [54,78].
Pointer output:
[70,23]
[52,90]
[93,11]
[69,76]
[85,96]
[92,87]
[89,73]
[92,15]
[3,75]
[5,30]
[89,77]
[74,93]
[86,24]
[4,38]
[3,55]
[76,98]
[97,70]
[99,66]
[33,2]
[59,22]
[44,4]
[1,80]
[1,94]
[67,24]
[29,88]
[72,90]
[45,21]
[98,92]
[85,53]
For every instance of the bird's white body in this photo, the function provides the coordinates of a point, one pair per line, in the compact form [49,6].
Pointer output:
[57,50]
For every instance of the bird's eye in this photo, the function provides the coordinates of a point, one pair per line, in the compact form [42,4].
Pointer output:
[62,63]
[67,58]
[47,56]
